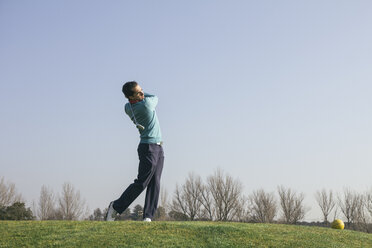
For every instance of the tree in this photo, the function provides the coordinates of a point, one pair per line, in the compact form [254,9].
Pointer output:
[160,214]
[369,202]
[104,213]
[263,206]
[178,203]
[206,200]
[361,221]
[186,198]
[8,193]
[126,215]
[3,214]
[17,211]
[71,206]
[242,210]
[326,203]
[291,205]
[137,213]
[164,198]
[368,210]
[226,194]
[46,209]
[178,216]
[97,215]
[348,204]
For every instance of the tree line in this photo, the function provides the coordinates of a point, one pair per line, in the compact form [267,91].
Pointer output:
[68,205]
[219,198]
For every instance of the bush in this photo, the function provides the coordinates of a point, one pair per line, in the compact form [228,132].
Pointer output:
[17,211]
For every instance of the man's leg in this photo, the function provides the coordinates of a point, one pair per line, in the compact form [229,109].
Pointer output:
[146,171]
[153,188]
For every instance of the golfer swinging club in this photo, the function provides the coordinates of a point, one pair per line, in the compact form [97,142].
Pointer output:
[141,110]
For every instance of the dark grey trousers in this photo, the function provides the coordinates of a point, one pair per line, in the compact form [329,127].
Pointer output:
[150,167]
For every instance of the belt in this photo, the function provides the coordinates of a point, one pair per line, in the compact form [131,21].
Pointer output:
[160,143]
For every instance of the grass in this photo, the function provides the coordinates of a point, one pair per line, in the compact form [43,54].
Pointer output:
[173,234]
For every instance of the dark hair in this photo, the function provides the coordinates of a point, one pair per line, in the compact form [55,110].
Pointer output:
[128,88]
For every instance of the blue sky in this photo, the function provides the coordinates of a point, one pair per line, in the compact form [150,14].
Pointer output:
[272,92]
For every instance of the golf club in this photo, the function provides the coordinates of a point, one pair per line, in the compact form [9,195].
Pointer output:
[139,126]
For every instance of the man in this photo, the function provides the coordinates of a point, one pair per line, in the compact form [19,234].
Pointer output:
[141,110]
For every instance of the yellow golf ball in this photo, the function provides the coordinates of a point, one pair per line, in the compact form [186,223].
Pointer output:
[338,224]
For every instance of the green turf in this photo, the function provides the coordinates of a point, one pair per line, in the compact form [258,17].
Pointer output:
[173,234]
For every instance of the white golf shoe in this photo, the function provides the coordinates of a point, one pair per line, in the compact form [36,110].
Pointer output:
[111,212]
[147,220]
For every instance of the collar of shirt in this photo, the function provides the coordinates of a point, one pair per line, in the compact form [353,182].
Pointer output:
[134,101]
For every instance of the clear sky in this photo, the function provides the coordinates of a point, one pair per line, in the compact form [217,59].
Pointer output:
[272,92]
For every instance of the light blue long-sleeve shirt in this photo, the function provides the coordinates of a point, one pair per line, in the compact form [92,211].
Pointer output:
[145,114]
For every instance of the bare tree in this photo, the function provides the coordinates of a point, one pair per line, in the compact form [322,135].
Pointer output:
[8,193]
[243,212]
[263,206]
[186,199]
[164,199]
[206,200]
[71,206]
[192,191]
[226,194]
[291,205]
[361,221]
[161,211]
[368,210]
[46,209]
[357,209]
[178,203]
[326,203]
[348,204]
[368,202]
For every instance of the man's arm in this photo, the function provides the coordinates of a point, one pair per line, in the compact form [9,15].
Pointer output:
[151,101]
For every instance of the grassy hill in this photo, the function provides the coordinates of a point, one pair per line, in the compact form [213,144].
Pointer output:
[173,234]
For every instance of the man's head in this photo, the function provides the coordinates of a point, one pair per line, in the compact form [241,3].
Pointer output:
[133,91]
